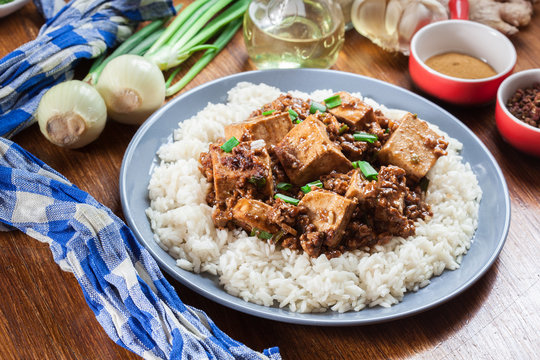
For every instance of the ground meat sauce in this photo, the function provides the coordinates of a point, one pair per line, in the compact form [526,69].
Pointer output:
[372,214]
[525,105]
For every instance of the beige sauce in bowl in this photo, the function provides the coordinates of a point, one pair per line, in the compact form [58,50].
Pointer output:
[460,66]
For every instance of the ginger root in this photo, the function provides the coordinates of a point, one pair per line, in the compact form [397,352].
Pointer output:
[505,16]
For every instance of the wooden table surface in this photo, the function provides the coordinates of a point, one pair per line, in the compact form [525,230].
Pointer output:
[43,313]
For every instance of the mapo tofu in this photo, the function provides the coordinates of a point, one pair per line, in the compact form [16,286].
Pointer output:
[253,215]
[270,128]
[245,169]
[352,111]
[413,146]
[302,184]
[329,213]
[306,152]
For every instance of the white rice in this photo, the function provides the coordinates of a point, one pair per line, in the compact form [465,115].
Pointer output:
[262,273]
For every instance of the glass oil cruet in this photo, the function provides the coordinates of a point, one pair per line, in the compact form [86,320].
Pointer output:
[293,33]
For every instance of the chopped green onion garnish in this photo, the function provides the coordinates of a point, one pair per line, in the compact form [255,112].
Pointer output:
[293,115]
[298,121]
[261,234]
[343,129]
[387,130]
[258,181]
[264,235]
[333,101]
[287,199]
[269,112]
[369,172]
[315,106]
[230,144]
[307,188]
[370,138]
[284,186]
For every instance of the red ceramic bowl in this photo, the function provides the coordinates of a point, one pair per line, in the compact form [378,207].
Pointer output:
[518,133]
[465,37]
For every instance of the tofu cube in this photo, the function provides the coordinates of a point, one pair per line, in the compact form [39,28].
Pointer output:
[352,111]
[307,152]
[411,147]
[245,166]
[330,213]
[270,128]
[253,214]
[360,188]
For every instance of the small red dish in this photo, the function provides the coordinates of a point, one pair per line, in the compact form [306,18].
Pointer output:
[467,37]
[521,135]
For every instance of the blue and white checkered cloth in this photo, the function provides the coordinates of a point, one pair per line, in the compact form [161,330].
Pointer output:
[81,29]
[120,280]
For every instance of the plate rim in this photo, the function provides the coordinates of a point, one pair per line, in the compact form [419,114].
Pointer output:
[290,316]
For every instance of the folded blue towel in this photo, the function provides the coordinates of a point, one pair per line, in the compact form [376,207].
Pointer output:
[120,280]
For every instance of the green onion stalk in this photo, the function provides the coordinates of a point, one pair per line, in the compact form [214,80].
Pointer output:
[199,22]
[168,43]
[136,44]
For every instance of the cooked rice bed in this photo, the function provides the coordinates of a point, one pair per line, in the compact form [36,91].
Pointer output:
[262,273]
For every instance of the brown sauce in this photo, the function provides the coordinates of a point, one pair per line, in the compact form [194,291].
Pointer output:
[461,66]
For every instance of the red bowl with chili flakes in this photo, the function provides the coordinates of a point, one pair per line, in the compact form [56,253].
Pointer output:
[515,131]
[464,37]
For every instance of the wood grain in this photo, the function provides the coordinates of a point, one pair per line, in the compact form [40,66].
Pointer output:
[43,313]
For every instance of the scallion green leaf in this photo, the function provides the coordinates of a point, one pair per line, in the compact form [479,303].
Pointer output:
[230,144]
[287,199]
[261,234]
[369,172]
[293,115]
[333,101]
[370,138]
[269,112]
[343,129]
[315,106]
[298,121]
[222,40]
[307,188]
[387,130]
[264,235]
[284,186]
[258,181]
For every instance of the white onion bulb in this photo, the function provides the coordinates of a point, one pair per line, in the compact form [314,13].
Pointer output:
[71,114]
[133,88]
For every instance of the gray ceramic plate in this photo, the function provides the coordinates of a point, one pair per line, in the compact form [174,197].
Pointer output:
[488,241]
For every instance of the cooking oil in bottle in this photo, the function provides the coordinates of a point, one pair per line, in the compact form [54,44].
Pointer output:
[293,33]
